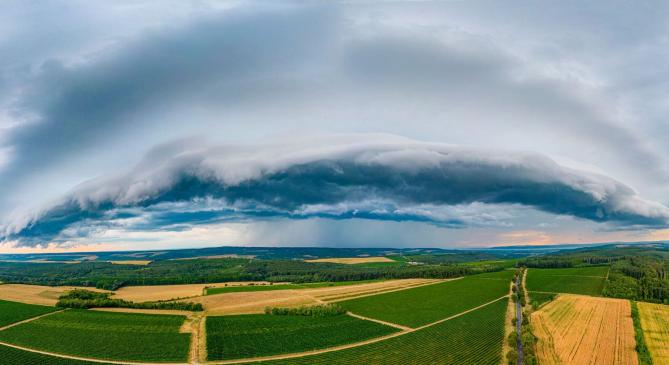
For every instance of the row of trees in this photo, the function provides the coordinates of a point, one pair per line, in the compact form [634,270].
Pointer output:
[111,277]
[85,299]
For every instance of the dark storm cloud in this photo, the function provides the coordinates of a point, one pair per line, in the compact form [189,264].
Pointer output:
[374,177]
[75,106]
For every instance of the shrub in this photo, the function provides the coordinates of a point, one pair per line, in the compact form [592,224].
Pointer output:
[85,299]
[322,310]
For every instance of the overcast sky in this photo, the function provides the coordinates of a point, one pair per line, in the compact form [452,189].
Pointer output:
[155,124]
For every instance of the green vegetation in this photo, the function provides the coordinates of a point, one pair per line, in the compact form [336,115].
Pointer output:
[321,310]
[539,299]
[12,312]
[249,288]
[527,338]
[473,338]
[643,354]
[640,278]
[582,280]
[418,306]
[242,336]
[104,335]
[84,299]
[9,355]
[109,276]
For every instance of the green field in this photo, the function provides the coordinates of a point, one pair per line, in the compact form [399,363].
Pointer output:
[12,312]
[581,280]
[249,288]
[537,299]
[429,303]
[474,338]
[104,335]
[241,336]
[13,356]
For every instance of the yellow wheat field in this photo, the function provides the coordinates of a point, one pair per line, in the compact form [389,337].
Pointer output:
[575,329]
[131,262]
[655,324]
[353,260]
[36,294]
[166,292]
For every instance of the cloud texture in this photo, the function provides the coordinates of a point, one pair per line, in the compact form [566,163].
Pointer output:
[353,176]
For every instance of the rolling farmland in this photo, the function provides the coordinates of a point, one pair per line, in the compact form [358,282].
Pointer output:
[256,301]
[655,324]
[473,338]
[12,312]
[422,305]
[582,280]
[230,337]
[576,329]
[104,335]
[248,288]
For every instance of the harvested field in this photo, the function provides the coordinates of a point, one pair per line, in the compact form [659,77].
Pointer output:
[36,294]
[165,292]
[576,329]
[353,260]
[655,324]
[131,262]
[256,301]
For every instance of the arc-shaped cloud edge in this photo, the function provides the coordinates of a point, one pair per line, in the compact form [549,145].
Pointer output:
[345,176]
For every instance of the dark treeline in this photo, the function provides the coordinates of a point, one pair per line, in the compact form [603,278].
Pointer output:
[558,262]
[639,278]
[111,276]
[85,299]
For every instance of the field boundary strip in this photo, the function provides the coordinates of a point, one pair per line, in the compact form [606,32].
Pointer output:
[30,319]
[398,326]
[88,359]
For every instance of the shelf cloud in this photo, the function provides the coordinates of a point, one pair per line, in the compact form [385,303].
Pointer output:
[381,177]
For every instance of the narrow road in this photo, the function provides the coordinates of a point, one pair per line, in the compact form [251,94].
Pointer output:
[29,320]
[519,322]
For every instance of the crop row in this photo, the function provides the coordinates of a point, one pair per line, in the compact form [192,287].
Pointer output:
[474,338]
[12,312]
[230,337]
[574,281]
[104,335]
[419,306]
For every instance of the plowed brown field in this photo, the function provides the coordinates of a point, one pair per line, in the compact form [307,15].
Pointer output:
[655,324]
[353,260]
[255,302]
[576,329]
